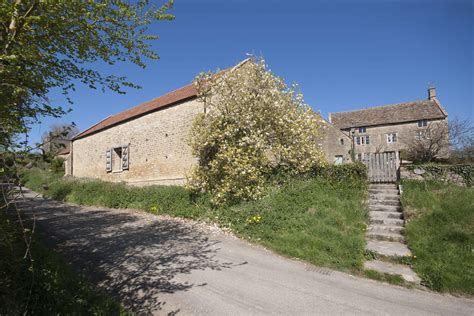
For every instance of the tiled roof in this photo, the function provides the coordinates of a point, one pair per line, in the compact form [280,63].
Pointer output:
[171,98]
[389,114]
[174,97]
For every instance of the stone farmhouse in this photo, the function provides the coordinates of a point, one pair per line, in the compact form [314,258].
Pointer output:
[147,144]
[390,128]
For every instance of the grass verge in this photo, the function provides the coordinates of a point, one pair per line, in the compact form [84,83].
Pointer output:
[45,286]
[440,233]
[317,220]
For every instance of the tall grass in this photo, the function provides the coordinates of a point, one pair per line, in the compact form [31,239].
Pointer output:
[316,219]
[440,232]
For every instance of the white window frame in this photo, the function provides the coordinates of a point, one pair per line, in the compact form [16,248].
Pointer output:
[362,140]
[392,138]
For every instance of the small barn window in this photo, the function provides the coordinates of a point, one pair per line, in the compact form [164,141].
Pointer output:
[117,159]
[341,141]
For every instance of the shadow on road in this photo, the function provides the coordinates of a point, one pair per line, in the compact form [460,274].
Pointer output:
[130,256]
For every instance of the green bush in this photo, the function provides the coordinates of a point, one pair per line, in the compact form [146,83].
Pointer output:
[57,165]
[353,174]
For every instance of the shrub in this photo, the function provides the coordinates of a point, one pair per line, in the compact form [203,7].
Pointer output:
[57,165]
[254,123]
[352,174]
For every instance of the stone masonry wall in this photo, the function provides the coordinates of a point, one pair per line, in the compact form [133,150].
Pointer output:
[332,145]
[420,173]
[378,137]
[158,152]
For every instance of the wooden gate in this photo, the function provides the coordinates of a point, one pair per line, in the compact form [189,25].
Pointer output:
[382,167]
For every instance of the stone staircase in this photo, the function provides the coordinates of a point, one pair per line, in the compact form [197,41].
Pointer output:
[385,234]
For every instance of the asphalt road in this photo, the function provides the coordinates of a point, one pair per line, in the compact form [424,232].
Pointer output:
[159,265]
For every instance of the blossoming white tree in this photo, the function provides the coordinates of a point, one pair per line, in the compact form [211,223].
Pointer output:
[253,123]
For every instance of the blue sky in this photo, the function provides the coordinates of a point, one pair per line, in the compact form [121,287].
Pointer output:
[344,54]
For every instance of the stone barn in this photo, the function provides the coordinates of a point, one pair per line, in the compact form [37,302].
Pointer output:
[147,144]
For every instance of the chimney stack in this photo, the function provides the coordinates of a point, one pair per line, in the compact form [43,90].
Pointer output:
[431,93]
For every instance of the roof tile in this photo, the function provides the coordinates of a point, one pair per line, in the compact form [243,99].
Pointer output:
[168,99]
[388,114]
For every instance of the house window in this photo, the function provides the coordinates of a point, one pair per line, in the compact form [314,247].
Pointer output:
[117,159]
[422,123]
[392,138]
[338,159]
[362,140]
[341,141]
[362,130]
[420,135]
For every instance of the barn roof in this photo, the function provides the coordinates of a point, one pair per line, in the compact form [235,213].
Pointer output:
[176,96]
[172,98]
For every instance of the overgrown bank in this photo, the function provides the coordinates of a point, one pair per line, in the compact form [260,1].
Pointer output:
[320,218]
[440,233]
[45,286]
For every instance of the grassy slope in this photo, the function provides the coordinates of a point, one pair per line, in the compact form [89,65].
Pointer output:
[55,288]
[308,219]
[440,233]
[312,219]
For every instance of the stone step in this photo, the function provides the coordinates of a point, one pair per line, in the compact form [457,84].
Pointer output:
[386,228]
[391,268]
[385,215]
[388,248]
[375,202]
[383,191]
[383,186]
[385,235]
[385,208]
[387,221]
[385,197]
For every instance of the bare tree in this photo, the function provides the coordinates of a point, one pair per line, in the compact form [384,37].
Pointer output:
[461,137]
[430,143]
[58,137]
